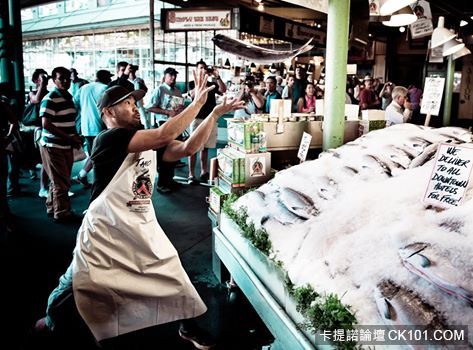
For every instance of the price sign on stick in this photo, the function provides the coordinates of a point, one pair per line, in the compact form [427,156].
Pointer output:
[432,97]
[304,146]
[450,176]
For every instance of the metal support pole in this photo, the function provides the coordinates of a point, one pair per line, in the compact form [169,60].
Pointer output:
[151,38]
[447,105]
[17,59]
[4,62]
[336,73]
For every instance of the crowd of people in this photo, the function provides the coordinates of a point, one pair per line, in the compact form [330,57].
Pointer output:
[126,140]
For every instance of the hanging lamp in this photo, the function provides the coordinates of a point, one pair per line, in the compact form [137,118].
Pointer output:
[441,34]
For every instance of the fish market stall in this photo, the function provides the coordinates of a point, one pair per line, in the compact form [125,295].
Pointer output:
[351,228]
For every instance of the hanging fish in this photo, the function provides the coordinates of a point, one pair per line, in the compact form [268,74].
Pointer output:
[255,53]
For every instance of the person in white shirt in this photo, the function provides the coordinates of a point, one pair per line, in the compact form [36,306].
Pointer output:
[400,110]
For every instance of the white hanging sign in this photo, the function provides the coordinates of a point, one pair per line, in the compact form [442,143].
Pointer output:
[433,90]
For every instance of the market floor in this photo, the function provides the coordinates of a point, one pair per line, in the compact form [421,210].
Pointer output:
[34,258]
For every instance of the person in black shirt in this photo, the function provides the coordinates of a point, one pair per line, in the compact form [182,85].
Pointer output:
[123,74]
[209,105]
[119,154]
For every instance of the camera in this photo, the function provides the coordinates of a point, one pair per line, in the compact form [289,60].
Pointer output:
[210,70]
[134,67]
[249,83]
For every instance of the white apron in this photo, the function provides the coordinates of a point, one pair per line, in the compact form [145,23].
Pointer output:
[126,273]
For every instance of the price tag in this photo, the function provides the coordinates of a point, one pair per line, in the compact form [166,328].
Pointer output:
[304,146]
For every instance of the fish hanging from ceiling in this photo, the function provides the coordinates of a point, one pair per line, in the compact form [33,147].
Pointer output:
[257,54]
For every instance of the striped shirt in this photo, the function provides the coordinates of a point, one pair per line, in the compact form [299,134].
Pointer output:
[59,108]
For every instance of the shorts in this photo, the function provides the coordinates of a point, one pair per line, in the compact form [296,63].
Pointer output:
[212,141]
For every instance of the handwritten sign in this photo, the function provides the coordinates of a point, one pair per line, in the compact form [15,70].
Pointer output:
[433,90]
[304,146]
[450,176]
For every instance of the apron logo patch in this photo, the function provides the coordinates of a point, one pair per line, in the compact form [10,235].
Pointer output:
[142,187]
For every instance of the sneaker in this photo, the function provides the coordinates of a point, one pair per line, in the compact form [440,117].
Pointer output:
[163,189]
[43,193]
[199,338]
[174,185]
[81,180]
[192,180]
[204,178]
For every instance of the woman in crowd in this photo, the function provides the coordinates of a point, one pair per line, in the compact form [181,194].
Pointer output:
[306,103]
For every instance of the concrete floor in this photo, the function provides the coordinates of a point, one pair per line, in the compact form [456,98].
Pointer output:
[34,257]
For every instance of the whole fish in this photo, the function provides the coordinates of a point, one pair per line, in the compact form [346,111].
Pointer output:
[281,214]
[425,156]
[422,260]
[400,306]
[297,203]
[255,53]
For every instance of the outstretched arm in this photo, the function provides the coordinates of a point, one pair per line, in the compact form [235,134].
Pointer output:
[178,149]
[144,140]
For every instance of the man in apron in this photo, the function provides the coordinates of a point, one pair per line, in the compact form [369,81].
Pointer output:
[125,274]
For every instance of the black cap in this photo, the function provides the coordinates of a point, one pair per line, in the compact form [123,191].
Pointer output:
[103,74]
[171,71]
[117,94]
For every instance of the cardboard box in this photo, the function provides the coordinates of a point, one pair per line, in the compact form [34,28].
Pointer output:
[365,126]
[216,199]
[227,187]
[228,165]
[257,168]
[372,114]
[280,108]
[244,135]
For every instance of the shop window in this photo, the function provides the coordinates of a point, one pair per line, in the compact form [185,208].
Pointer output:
[48,10]
[75,5]
[27,14]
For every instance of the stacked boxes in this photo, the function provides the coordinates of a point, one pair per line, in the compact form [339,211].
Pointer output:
[243,163]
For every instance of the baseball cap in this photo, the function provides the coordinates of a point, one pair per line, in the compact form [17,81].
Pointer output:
[171,71]
[117,94]
[103,74]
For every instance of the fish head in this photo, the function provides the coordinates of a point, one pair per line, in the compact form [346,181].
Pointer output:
[412,249]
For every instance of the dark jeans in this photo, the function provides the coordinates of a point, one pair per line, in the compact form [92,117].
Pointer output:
[166,169]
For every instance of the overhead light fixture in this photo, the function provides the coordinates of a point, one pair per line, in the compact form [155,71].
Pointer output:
[253,67]
[441,35]
[319,25]
[463,23]
[291,69]
[261,7]
[389,6]
[402,17]
[452,46]
[460,53]
[402,29]
[259,1]
[227,64]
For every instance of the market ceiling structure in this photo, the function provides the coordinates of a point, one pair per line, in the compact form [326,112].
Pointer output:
[453,11]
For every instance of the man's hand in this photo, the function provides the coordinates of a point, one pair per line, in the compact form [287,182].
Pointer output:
[128,69]
[201,90]
[408,105]
[216,74]
[43,80]
[226,107]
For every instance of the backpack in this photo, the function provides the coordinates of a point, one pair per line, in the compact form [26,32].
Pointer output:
[31,115]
